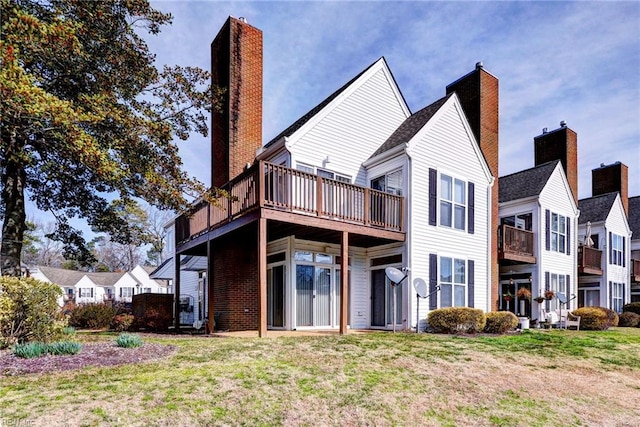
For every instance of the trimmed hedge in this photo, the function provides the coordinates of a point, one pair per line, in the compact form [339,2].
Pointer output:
[633,307]
[629,319]
[92,316]
[500,322]
[596,318]
[453,320]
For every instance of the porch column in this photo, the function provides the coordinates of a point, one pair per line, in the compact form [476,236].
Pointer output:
[176,291]
[344,282]
[262,277]
[210,310]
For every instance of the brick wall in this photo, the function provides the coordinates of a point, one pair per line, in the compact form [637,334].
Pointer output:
[236,66]
[610,178]
[560,144]
[479,95]
[235,280]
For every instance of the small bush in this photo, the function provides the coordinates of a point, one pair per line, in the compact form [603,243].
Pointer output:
[500,322]
[453,320]
[122,322]
[37,349]
[129,341]
[69,331]
[92,316]
[595,318]
[633,307]
[29,311]
[629,319]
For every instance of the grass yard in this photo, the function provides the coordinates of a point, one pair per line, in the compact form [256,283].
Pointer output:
[538,378]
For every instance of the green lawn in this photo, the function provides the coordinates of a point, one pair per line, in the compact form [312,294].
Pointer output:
[538,378]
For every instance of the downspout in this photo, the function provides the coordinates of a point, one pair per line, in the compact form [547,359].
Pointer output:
[489,245]
[408,238]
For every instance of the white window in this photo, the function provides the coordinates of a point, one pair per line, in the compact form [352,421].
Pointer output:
[616,297]
[86,292]
[453,202]
[126,292]
[146,290]
[558,233]
[304,168]
[558,284]
[453,282]
[324,173]
[616,249]
[389,183]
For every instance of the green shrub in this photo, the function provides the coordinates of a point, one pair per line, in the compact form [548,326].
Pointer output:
[29,350]
[500,322]
[122,322]
[128,341]
[92,316]
[629,319]
[155,320]
[612,317]
[69,331]
[37,349]
[29,311]
[453,320]
[594,318]
[633,307]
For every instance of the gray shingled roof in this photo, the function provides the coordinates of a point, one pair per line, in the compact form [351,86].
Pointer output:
[315,110]
[63,277]
[634,217]
[526,183]
[411,126]
[596,208]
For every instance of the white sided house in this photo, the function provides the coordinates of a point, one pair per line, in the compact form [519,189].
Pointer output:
[538,244]
[603,254]
[134,282]
[634,224]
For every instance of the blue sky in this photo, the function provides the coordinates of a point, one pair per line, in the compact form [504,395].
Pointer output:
[572,61]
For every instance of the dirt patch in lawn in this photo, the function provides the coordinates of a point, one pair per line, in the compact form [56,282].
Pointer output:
[92,354]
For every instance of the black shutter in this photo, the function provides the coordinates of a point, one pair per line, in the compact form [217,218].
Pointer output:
[471,211]
[624,291]
[568,237]
[547,229]
[120,292]
[624,254]
[91,292]
[611,295]
[471,284]
[546,280]
[433,195]
[433,281]
[568,283]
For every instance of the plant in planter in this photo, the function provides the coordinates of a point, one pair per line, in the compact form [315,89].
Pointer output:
[549,294]
[524,293]
[539,299]
[508,296]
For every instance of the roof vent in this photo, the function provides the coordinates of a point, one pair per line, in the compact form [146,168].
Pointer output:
[601,165]
[544,130]
[243,19]
[479,65]
[563,124]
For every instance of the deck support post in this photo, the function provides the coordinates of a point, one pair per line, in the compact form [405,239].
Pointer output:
[262,277]
[344,282]
[176,291]
[210,301]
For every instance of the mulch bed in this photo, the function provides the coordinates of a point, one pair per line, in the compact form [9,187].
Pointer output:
[92,354]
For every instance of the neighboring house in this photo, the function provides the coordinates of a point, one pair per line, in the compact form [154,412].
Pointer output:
[603,254]
[356,185]
[91,288]
[537,243]
[634,264]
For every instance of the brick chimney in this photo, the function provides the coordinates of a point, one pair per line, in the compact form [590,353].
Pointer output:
[560,144]
[236,66]
[478,93]
[610,178]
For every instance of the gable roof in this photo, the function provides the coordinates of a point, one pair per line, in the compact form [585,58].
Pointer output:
[315,110]
[596,208]
[411,126]
[634,217]
[63,277]
[526,183]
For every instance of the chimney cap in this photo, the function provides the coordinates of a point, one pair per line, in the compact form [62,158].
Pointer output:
[545,130]
[479,65]
[563,124]
[243,19]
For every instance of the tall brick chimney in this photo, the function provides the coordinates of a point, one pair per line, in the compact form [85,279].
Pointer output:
[560,144]
[236,66]
[610,178]
[478,93]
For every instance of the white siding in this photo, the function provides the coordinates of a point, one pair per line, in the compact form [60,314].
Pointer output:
[352,131]
[616,223]
[448,148]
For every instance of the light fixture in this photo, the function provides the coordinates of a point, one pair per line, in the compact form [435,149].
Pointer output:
[326,161]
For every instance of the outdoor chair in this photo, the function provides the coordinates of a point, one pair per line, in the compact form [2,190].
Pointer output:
[568,319]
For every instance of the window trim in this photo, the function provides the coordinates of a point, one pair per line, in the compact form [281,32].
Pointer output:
[617,252]
[399,191]
[453,283]
[555,235]
[452,202]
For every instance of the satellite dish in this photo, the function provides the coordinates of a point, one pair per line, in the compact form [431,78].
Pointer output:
[421,287]
[395,275]
[561,297]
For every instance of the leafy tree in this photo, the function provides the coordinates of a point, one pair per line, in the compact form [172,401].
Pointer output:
[87,116]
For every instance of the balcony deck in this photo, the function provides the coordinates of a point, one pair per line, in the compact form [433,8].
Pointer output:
[289,196]
[589,261]
[515,246]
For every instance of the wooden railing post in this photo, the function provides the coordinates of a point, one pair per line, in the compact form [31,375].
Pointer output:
[260,182]
[319,196]
[367,210]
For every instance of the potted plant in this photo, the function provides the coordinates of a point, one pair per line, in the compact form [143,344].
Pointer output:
[539,299]
[508,296]
[524,293]
[549,294]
